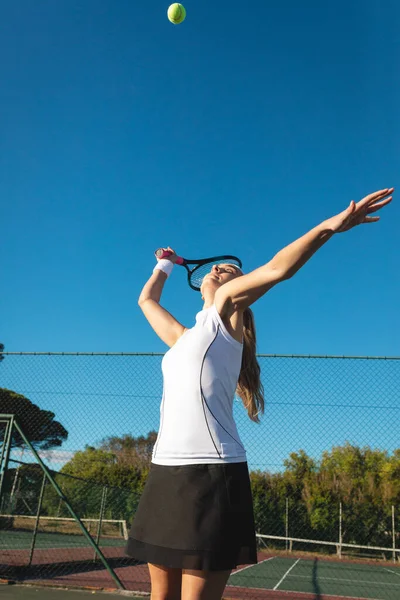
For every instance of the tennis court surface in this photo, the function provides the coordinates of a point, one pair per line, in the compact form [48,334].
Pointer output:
[23,592]
[273,578]
[317,579]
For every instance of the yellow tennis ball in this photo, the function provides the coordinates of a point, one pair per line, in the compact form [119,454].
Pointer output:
[176,13]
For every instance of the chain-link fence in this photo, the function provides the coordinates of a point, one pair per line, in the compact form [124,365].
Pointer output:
[324,464]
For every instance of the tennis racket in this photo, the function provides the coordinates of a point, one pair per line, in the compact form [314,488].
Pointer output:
[198,268]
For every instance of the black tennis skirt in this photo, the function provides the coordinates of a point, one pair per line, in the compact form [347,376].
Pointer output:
[195,517]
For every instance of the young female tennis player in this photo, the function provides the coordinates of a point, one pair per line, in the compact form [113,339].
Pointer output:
[194,522]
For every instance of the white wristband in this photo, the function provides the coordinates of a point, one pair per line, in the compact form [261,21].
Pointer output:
[165,266]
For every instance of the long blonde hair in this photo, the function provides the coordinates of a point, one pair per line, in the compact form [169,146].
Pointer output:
[250,388]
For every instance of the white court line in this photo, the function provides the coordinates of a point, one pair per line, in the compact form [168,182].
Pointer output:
[249,566]
[257,590]
[339,580]
[286,574]
[390,571]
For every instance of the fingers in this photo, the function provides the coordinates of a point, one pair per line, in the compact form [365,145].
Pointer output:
[372,198]
[163,253]
[168,250]
[358,213]
[378,205]
[380,194]
[169,254]
[370,219]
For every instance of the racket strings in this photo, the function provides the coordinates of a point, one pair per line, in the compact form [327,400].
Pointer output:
[198,274]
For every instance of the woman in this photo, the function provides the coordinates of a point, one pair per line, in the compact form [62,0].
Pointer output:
[194,523]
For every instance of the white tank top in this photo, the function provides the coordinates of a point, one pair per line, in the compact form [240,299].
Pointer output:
[200,375]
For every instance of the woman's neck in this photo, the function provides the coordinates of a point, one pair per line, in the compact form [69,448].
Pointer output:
[208,301]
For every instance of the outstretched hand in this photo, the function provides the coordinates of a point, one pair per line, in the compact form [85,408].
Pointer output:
[358,213]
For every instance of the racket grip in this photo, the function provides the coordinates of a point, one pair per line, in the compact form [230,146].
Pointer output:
[160,253]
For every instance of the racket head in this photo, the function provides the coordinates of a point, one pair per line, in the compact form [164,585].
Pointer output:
[199,267]
[204,266]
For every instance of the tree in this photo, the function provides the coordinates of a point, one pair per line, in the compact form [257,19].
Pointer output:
[269,502]
[390,479]
[83,481]
[129,450]
[365,482]
[38,425]
[299,466]
[118,468]
[21,490]
[98,466]
[300,469]
[1,352]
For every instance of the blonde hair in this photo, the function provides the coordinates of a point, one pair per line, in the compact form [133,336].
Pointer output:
[250,388]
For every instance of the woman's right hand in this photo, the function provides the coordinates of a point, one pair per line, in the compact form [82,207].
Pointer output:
[172,256]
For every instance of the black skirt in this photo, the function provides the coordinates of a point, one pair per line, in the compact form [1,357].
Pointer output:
[195,517]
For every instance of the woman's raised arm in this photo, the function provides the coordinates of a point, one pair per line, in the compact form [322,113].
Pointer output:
[168,329]
[240,293]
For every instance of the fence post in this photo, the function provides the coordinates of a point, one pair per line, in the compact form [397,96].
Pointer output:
[37,519]
[102,509]
[13,489]
[6,449]
[393,535]
[287,524]
[59,508]
[340,531]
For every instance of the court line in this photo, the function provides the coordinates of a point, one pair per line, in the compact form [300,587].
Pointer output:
[255,565]
[257,590]
[390,571]
[286,574]
[348,580]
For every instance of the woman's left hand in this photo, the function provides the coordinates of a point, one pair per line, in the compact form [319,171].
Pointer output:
[358,213]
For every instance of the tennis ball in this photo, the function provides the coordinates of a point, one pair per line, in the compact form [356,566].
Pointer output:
[176,13]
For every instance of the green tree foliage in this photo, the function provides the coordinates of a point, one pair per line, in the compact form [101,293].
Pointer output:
[38,425]
[365,481]
[87,475]
[356,478]
[22,489]
[129,450]
[300,468]
[269,502]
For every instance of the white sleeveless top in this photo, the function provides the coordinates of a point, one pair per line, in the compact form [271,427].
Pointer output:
[200,374]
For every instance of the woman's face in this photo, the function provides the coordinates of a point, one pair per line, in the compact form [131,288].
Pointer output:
[219,275]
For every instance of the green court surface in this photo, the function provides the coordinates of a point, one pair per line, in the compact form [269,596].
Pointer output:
[21,592]
[318,577]
[21,540]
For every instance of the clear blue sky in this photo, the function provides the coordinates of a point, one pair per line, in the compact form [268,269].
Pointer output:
[234,132]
